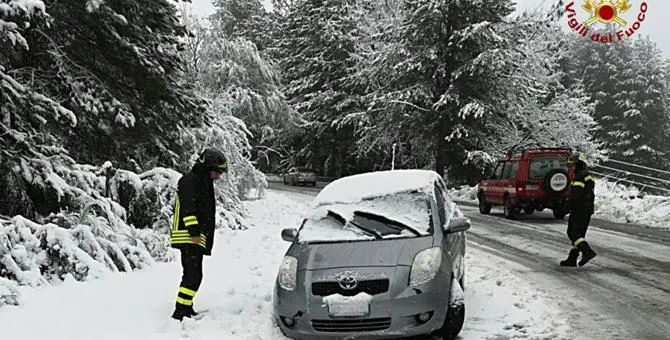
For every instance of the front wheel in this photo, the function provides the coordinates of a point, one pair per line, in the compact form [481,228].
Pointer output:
[484,206]
[455,318]
[560,213]
[511,212]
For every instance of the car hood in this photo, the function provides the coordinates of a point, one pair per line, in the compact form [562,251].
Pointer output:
[378,253]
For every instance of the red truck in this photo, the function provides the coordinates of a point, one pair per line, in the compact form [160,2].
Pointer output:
[528,180]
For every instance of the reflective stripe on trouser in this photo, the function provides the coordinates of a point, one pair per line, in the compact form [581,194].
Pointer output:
[191,263]
[185,296]
[183,237]
[578,224]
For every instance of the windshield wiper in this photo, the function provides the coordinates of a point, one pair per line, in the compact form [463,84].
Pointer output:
[344,222]
[389,222]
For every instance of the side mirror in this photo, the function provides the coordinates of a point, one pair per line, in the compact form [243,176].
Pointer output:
[289,235]
[458,224]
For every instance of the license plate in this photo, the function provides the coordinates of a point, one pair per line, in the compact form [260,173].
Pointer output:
[532,187]
[353,308]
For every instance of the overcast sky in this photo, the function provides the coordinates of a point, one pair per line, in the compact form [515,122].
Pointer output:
[653,26]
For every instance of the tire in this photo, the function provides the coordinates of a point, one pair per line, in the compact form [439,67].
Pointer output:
[556,181]
[284,180]
[560,213]
[484,207]
[529,211]
[455,318]
[511,212]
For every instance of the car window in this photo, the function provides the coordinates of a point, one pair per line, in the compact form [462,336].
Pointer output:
[511,168]
[541,165]
[498,171]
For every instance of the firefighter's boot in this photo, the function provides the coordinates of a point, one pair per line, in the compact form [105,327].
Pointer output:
[571,261]
[181,311]
[190,311]
[587,253]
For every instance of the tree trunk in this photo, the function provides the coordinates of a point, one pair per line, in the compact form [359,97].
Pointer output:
[441,146]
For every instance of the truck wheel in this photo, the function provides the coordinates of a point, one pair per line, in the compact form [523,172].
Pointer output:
[511,212]
[559,213]
[484,207]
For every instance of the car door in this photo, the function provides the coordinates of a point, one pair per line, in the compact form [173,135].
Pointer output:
[495,188]
[509,177]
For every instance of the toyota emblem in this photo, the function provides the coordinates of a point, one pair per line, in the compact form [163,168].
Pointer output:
[348,283]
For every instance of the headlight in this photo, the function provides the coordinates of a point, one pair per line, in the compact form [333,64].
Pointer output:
[288,273]
[425,266]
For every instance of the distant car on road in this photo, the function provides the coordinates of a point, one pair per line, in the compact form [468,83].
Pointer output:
[530,180]
[379,255]
[300,175]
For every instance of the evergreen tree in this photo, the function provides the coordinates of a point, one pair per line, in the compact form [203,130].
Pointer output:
[316,49]
[118,66]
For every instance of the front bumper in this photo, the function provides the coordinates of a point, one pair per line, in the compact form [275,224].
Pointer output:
[393,313]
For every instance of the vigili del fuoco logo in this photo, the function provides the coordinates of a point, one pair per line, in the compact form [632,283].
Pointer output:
[606,13]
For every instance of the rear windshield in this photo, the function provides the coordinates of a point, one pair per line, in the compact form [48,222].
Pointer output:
[541,165]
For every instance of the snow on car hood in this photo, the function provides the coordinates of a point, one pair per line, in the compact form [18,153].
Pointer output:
[383,253]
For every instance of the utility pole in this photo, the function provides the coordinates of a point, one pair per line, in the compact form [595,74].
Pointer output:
[393,159]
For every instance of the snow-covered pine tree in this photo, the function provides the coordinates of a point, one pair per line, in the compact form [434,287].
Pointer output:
[242,84]
[118,66]
[436,79]
[627,82]
[642,95]
[318,39]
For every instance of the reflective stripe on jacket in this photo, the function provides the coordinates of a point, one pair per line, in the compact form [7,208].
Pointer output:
[194,211]
[582,195]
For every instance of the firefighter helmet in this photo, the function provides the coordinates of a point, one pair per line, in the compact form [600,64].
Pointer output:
[214,160]
[577,157]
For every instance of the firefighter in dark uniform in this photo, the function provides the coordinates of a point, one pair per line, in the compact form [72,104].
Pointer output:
[193,225]
[581,208]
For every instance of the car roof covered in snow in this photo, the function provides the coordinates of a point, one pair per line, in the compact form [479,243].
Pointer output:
[356,188]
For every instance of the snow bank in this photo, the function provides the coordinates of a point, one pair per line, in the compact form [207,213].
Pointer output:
[91,221]
[618,203]
[614,202]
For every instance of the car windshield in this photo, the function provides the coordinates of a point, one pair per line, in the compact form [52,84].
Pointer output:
[393,216]
[541,165]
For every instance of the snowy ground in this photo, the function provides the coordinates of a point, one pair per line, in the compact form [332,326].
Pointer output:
[237,291]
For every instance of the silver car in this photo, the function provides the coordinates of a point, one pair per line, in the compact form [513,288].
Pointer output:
[379,255]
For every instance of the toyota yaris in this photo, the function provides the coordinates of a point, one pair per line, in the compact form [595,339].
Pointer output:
[379,255]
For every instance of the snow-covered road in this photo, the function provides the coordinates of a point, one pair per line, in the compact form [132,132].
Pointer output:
[502,303]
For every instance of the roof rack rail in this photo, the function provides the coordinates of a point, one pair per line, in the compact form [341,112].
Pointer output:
[511,151]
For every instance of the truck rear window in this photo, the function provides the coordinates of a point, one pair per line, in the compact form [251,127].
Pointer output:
[541,165]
